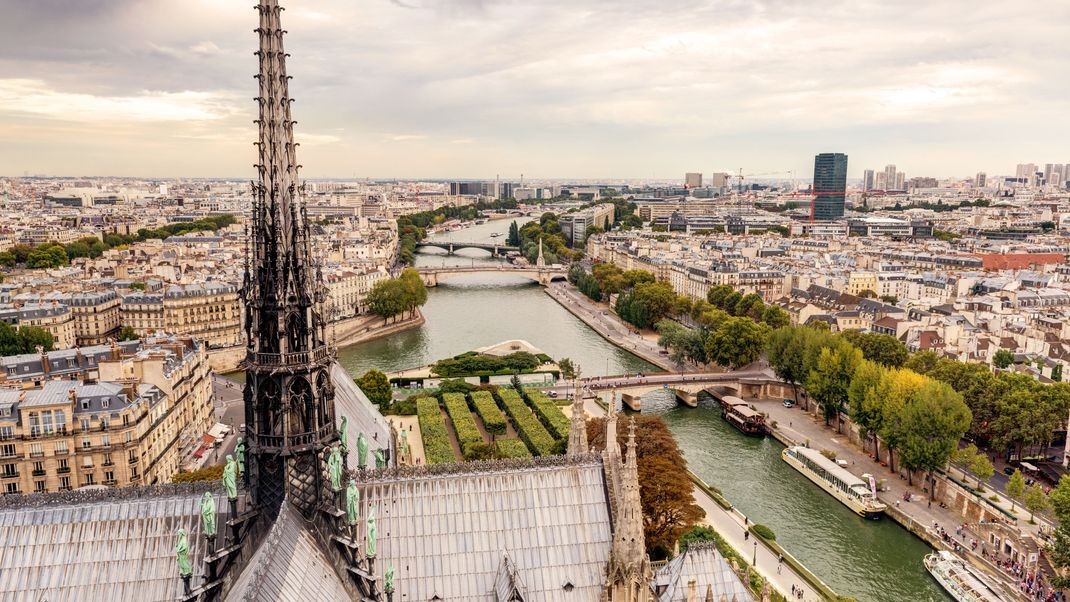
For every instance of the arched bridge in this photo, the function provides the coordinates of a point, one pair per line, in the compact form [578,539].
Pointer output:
[687,386]
[544,275]
[451,246]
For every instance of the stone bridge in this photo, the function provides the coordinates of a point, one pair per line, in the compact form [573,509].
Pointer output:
[544,275]
[450,247]
[687,386]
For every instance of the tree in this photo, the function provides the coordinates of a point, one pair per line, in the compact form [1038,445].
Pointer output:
[922,362]
[892,395]
[128,334]
[568,369]
[1003,359]
[774,317]
[1016,487]
[1057,373]
[7,259]
[830,378]
[669,508]
[415,291]
[376,386]
[737,343]
[1036,501]
[881,348]
[863,404]
[930,426]
[793,351]
[513,240]
[47,257]
[32,337]
[982,468]
[386,299]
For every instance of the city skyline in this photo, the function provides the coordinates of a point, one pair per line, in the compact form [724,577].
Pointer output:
[423,89]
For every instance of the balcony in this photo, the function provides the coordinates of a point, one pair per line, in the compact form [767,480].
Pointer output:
[38,473]
[61,452]
[37,454]
[110,482]
[9,475]
[108,463]
[63,470]
[133,460]
[134,478]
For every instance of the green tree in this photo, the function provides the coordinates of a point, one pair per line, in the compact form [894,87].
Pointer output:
[930,426]
[386,299]
[377,387]
[32,337]
[830,378]
[892,395]
[1003,359]
[793,352]
[922,362]
[774,317]
[128,334]
[415,291]
[7,259]
[46,257]
[1057,373]
[1016,488]
[738,342]
[513,240]
[569,370]
[863,404]
[982,468]
[881,348]
[1036,501]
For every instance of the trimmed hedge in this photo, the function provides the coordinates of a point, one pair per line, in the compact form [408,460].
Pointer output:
[468,434]
[513,448]
[437,448]
[489,412]
[548,413]
[531,431]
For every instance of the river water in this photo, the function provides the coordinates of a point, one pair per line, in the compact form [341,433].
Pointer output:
[870,560]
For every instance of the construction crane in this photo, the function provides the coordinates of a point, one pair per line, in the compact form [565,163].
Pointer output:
[739,188]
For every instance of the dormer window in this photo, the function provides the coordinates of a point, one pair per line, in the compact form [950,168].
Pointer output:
[85,404]
[104,403]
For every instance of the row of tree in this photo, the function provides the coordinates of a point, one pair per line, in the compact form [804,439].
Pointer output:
[53,254]
[395,296]
[751,305]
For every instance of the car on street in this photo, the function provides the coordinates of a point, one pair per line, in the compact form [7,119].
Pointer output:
[789,403]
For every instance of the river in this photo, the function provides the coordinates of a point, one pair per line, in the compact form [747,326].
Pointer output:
[871,560]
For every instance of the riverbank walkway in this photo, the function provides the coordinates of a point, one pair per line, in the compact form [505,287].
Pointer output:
[732,526]
[799,427]
[602,321]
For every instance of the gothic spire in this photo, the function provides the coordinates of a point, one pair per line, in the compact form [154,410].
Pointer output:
[629,544]
[289,398]
[612,448]
[577,433]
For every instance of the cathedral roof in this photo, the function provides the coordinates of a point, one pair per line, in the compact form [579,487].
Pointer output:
[707,568]
[446,529]
[362,415]
[113,544]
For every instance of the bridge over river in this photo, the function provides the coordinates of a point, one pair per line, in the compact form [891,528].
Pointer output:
[544,275]
[751,383]
[450,246]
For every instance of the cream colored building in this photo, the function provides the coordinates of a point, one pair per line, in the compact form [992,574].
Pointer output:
[347,291]
[53,317]
[96,316]
[861,281]
[133,426]
[210,312]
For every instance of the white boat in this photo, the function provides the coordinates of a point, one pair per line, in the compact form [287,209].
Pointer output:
[852,491]
[962,581]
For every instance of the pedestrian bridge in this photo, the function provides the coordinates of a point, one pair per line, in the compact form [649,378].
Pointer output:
[544,275]
[687,386]
[452,246]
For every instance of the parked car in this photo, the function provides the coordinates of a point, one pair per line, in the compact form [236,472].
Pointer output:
[789,403]
[1008,470]
[553,394]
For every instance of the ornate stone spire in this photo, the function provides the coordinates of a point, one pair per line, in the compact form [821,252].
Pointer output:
[612,448]
[577,433]
[629,569]
[289,398]
[540,261]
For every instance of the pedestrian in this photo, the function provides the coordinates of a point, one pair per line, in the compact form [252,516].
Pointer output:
[746,535]
[780,564]
[793,590]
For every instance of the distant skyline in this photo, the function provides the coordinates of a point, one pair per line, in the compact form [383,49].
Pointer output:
[551,89]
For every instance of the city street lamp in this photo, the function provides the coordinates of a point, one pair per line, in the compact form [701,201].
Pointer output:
[754,559]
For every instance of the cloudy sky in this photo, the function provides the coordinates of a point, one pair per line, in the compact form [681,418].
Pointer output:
[547,88]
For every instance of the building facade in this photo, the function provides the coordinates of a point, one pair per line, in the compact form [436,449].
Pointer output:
[830,186]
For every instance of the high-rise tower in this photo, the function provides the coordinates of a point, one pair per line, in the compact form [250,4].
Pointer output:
[830,186]
[289,398]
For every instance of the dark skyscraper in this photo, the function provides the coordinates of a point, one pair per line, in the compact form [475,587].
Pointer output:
[830,186]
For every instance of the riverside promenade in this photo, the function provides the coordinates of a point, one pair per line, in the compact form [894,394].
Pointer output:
[732,525]
[907,504]
[609,326]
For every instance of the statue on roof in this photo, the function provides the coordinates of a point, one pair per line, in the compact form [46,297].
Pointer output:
[380,458]
[352,503]
[185,567]
[240,451]
[230,478]
[371,532]
[389,587]
[343,434]
[334,467]
[362,450]
[208,514]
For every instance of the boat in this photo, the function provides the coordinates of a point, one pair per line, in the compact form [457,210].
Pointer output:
[964,582]
[739,414]
[852,491]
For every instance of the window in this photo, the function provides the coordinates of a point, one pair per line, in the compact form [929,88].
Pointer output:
[10,470]
[7,433]
[65,483]
[83,424]
[37,450]
[90,479]
[61,421]
[105,440]
[85,404]
[104,402]
[103,423]
[61,448]
[86,443]
[87,462]
[7,450]
[12,488]
[128,436]
[107,459]
[35,424]
[39,486]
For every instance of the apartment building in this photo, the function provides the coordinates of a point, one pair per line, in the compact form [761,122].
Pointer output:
[347,291]
[210,312]
[96,316]
[131,426]
[53,317]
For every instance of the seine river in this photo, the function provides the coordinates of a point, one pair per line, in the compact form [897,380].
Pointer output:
[872,561]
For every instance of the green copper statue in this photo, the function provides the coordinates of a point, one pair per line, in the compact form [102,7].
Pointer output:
[404,442]
[371,532]
[389,587]
[230,478]
[334,467]
[240,451]
[343,434]
[185,568]
[208,514]
[380,459]
[352,502]
[362,450]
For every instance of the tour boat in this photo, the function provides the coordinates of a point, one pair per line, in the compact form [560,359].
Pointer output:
[746,419]
[852,491]
[962,581]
